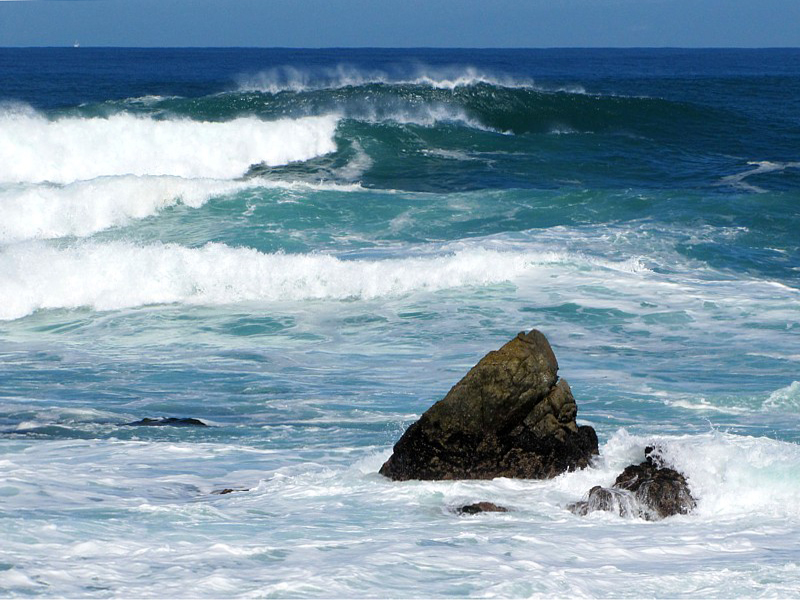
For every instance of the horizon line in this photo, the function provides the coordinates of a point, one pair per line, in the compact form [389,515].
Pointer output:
[191,47]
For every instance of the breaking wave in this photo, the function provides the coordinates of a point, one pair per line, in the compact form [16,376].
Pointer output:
[82,208]
[120,275]
[730,475]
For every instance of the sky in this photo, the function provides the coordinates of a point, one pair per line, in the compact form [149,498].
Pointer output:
[401,23]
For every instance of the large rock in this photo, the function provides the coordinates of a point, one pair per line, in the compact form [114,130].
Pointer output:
[649,490]
[167,422]
[510,416]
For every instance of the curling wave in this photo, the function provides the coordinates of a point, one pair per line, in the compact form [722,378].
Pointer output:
[35,149]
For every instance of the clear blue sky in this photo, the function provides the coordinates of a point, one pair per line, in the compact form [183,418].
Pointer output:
[401,23]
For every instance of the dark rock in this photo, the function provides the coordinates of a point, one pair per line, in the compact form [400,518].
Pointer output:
[661,490]
[510,416]
[654,455]
[168,422]
[479,507]
[649,490]
[229,491]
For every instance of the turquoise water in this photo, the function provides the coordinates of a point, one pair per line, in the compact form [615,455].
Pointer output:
[306,249]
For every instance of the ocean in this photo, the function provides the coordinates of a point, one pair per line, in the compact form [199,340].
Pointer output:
[305,249]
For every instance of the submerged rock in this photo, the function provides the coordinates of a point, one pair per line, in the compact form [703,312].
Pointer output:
[168,422]
[229,491]
[606,499]
[479,507]
[648,490]
[510,416]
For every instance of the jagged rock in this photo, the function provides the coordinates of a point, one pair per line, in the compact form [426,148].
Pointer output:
[649,490]
[168,422]
[479,507]
[510,416]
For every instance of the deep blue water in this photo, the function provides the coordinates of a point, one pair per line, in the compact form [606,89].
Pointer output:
[307,248]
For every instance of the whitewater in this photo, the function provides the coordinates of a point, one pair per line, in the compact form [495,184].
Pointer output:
[305,249]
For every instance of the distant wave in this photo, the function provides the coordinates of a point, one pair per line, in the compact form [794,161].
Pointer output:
[36,149]
[293,79]
[469,97]
[429,96]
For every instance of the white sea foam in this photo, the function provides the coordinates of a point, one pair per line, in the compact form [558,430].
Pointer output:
[785,399]
[120,275]
[29,416]
[345,531]
[759,167]
[34,148]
